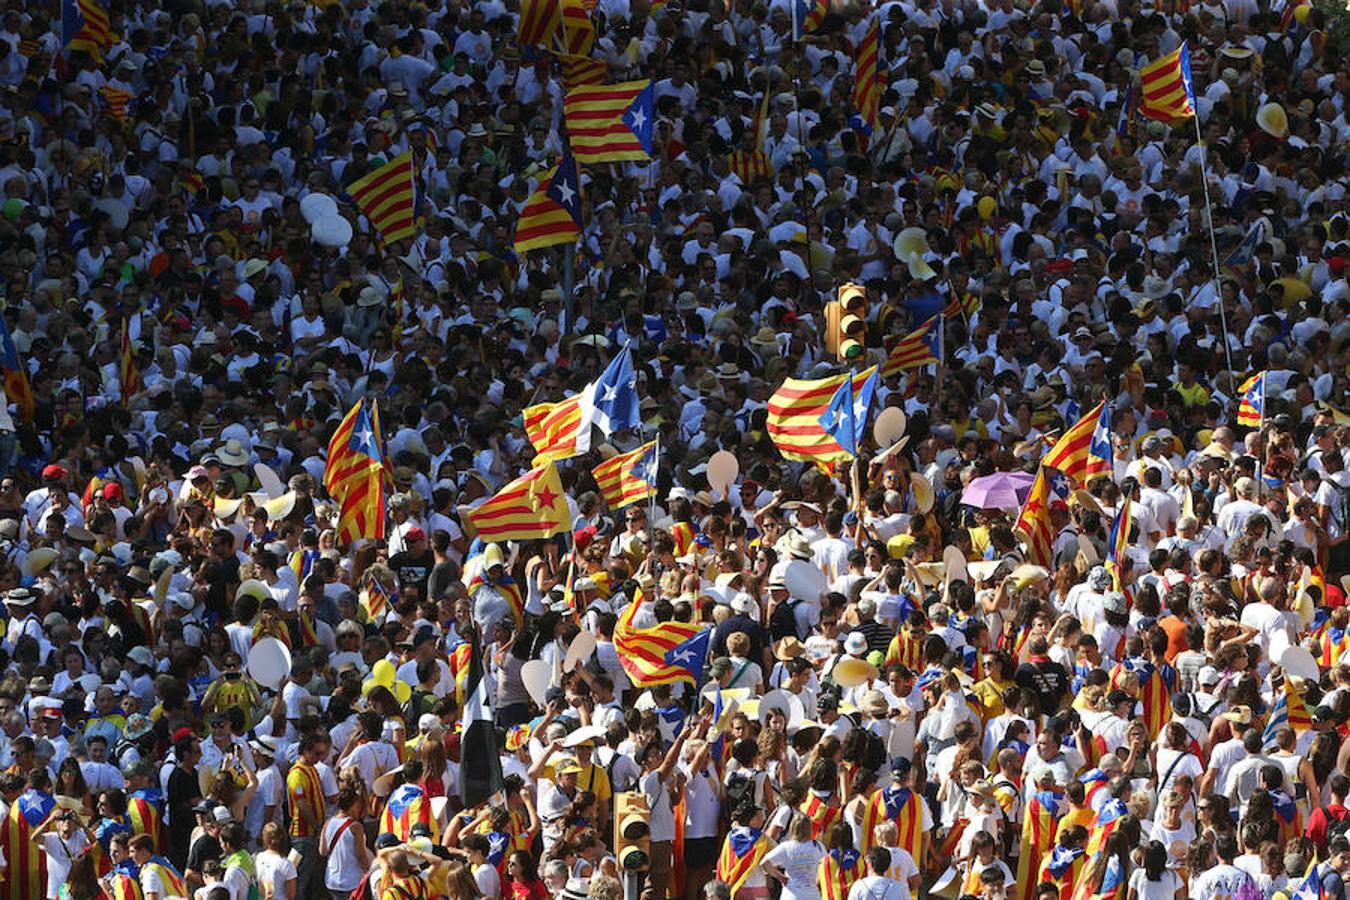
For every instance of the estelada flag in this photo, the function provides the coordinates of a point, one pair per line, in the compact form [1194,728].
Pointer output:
[921,347]
[628,477]
[387,197]
[408,805]
[838,872]
[657,655]
[610,122]
[796,414]
[1252,402]
[1041,817]
[552,214]
[25,877]
[354,471]
[531,507]
[1168,93]
[539,21]
[17,386]
[901,806]
[741,853]
[1085,449]
[1033,522]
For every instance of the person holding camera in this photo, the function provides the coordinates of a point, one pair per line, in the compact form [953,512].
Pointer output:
[63,836]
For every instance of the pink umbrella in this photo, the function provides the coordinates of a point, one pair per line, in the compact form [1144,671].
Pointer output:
[1002,490]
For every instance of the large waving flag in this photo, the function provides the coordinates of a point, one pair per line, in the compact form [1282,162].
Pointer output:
[1040,819]
[610,123]
[921,347]
[901,806]
[1033,522]
[1118,544]
[845,419]
[795,417]
[1085,449]
[867,79]
[531,507]
[555,431]
[387,197]
[663,654]
[578,32]
[17,387]
[628,477]
[25,877]
[1252,401]
[552,215]
[741,853]
[354,473]
[85,26]
[611,402]
[408,805]
[807,16]
[1168,93]
[539,21]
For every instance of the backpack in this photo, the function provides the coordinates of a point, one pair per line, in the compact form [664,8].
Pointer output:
[1336,827]
[740,786]
[783,621]
[1342,505]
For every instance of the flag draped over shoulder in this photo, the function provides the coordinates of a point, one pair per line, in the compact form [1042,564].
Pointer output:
[901,806]
[552,214]
[867,86]
[742,851]
[1033,522]
[628,477]
[1168,93]
[354,473]
[25,876]
[838,872]
[1084,450]
[663,654]
[408,805]
[610,122]
[387,198]
[1118,543]
[1041,817]
[798,413]
[533,506]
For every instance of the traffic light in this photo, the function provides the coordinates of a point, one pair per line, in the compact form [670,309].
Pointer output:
[632,828]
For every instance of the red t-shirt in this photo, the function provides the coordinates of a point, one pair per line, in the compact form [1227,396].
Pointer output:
[1317,823]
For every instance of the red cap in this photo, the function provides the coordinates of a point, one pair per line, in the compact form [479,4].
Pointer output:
[583,538]
[1336,264]
[414,534]
[54,471]
[180,734]
[51,712]
[112,491]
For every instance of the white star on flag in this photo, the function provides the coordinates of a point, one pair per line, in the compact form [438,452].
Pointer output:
[638,120]
[566,193]
[611,392]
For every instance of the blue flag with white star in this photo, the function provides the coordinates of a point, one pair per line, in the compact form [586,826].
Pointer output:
[845,419]
[613,396]
[691,654]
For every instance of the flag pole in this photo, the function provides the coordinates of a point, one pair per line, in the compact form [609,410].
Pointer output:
[1213,241]
[651,506]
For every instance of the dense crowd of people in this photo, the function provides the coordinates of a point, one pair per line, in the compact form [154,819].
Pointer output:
[897,700]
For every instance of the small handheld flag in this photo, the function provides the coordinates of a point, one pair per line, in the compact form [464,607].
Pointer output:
[1167,90]
[918,348]
[628,477]
[1252,403]
[552,215]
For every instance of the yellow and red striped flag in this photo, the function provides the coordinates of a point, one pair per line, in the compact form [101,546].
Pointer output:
[662,654]
[741,854]
[127,373]
[1033,522]
[552,215]
[1168,94]
[531,507]
[747,165]
[796,411]
[921,347]
[554,429]
[1085,449]
[386,197]
[838,872]
[353,474]
[116,100]
[628,477]
[579,70]
[898,804]
[26,873]
[1252,401]
[29,48]
[85,26]
[610,123]
[539,21]
[867,85]
[578,32]
[1041,818]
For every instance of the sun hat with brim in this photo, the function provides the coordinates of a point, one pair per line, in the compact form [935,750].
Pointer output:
[855,644]
[788,648]
[1242,715]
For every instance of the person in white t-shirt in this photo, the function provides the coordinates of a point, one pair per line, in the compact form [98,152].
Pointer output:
[795,862]
[1154,880]
[877,886]
[276,873]
[485,874]
[63,838]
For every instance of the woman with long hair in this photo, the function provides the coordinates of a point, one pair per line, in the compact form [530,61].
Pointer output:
[81,881]
[1110,869]
[277,875]
[70,784]
[523,882]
